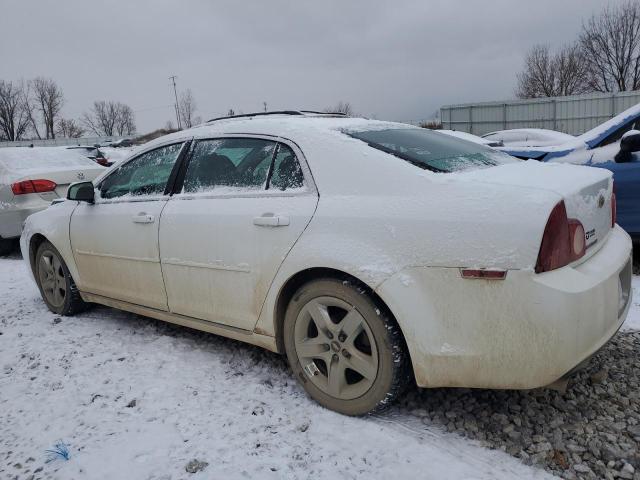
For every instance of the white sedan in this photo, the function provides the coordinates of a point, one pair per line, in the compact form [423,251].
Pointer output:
[30,178]
[371,253]
[528,137]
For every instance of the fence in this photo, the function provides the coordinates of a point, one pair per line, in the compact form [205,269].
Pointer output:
[53,142]
[572,114]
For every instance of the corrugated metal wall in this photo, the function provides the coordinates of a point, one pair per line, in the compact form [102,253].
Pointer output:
[573,115]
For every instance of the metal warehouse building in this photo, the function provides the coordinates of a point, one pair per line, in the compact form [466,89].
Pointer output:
[573,114]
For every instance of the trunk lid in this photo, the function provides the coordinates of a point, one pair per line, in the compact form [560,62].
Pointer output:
[586,192]
[62,177]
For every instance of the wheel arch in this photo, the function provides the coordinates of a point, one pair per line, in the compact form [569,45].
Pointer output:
[34,243]
[294,282]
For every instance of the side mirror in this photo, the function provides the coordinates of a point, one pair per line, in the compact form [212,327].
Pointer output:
[81,192]
[629,144]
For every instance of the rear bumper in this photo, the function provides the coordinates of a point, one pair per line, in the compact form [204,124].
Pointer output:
[523,332]
[11,220]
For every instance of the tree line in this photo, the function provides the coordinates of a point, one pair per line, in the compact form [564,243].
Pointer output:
[33,109]
[604,58]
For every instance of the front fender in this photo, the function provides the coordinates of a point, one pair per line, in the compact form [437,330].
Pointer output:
[53,225]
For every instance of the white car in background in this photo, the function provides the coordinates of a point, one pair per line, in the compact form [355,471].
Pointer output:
[470,137]
[368,252]
[528,137]
[30,178]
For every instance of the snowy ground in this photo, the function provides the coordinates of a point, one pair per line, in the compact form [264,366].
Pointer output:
[197,396]
[138,399]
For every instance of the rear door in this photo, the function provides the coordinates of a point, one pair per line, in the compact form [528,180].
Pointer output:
[115,240]
[243,203]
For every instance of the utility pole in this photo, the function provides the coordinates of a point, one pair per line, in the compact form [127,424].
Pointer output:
[175,92]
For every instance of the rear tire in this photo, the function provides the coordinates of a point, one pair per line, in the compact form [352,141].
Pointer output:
[346,351]
[7,246]
[56,285]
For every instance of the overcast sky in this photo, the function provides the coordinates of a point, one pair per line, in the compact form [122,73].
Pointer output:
[397,60]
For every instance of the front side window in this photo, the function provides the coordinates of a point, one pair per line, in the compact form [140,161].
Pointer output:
[235,164]
[147,174]
[430,150]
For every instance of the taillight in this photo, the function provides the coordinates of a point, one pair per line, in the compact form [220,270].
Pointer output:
[614,206]
[563,241]
[33,186]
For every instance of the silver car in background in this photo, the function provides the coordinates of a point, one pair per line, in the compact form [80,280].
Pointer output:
[31,178]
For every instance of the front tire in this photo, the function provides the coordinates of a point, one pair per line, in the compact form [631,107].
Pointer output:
[56,285]
[345,350]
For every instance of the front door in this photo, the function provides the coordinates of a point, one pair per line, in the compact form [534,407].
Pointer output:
[115,240]
[243,205]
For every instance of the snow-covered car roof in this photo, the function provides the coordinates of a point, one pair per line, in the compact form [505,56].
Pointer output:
[280,125]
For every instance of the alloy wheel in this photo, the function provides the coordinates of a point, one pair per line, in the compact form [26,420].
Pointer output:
[336,348]
[52,278]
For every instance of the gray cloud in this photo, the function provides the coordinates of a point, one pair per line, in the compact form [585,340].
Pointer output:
[397,60]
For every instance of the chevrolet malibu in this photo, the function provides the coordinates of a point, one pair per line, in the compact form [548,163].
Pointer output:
[370,253]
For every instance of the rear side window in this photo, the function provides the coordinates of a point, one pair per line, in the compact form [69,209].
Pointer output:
[229,164]
[287,174]
[431,151]
[147,174]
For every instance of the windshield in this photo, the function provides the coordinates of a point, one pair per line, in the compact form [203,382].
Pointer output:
[431,150]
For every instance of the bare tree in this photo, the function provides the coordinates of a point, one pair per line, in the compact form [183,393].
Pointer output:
[14,117]
[69,128]
[341,107]
[548,74]
[611,45]
[101,118]
[109,118]
[187,108]
[48,99]
[125,120]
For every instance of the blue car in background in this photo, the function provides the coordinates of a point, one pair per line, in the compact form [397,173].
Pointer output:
[614,145]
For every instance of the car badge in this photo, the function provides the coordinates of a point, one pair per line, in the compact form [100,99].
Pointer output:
[80,176]
[601,201]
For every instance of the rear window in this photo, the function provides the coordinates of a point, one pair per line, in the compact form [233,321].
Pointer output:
[430,150]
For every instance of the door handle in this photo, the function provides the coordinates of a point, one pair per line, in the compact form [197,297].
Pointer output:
[271,220]
[143,218]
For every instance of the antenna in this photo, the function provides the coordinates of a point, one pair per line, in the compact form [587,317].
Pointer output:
[175,92]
